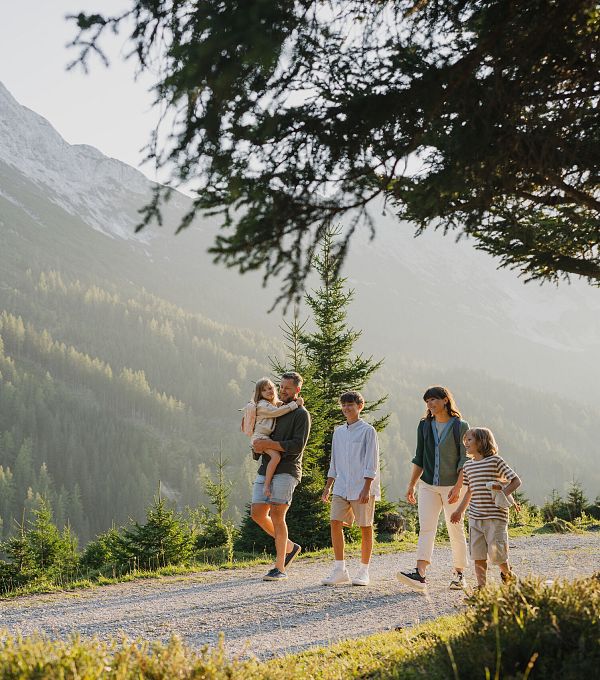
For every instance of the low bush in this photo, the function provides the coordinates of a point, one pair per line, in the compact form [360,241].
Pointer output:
[532,629]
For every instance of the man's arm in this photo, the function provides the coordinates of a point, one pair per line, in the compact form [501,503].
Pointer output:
[262,445]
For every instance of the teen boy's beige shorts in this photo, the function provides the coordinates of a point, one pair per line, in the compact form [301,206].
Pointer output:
[348,512]
[488,539]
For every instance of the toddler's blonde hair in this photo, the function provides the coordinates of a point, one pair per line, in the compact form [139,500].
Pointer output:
[484,440]
[260,386]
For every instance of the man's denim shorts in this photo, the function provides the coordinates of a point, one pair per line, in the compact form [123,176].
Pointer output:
[282,489]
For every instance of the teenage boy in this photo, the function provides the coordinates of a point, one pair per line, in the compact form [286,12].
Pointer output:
[354,475]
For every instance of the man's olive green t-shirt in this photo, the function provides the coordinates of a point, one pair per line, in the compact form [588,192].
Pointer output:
[291,431]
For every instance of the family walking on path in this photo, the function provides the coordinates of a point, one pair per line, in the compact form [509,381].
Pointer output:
[455,467]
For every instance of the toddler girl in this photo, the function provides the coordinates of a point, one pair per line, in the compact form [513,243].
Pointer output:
[488,499]
[268,408]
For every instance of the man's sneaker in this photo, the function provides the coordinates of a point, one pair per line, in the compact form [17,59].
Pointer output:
[458,582]
[292,554]
[336,578]
[362,578]
[275,575]
[508,578]
[413,580]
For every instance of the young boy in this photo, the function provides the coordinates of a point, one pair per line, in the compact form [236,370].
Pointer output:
[488,497]
[354,475]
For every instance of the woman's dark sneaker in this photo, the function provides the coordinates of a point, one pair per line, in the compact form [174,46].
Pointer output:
[275,575]
[413,580]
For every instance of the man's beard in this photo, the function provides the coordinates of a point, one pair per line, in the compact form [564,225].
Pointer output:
[286,401]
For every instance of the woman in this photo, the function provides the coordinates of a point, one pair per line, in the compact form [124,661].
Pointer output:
[438,464]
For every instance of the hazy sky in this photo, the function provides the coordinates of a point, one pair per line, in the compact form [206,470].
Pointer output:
[105,108]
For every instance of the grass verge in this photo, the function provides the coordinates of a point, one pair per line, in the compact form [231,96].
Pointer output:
[212,559]
[521,631]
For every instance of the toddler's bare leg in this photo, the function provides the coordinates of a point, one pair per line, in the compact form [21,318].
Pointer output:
[274,458]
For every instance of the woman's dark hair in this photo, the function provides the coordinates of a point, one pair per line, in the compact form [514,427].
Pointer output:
[439,392]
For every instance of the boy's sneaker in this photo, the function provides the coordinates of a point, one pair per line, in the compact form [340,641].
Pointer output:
[413,580]
[275,575]
[458,582]
[292,554]
[336,578]
[362,578]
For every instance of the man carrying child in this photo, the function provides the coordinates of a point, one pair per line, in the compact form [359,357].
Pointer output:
[354,476]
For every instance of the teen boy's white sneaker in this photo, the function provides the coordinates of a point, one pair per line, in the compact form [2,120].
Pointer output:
[336,578]
[361,579]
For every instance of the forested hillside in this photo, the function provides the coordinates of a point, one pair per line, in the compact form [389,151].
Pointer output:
[102,396]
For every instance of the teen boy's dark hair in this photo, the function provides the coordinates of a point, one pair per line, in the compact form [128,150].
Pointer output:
[352,397]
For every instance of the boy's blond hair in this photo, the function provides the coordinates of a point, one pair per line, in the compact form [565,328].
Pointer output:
[484,440]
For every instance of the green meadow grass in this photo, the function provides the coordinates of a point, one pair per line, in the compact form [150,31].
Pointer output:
[211,559]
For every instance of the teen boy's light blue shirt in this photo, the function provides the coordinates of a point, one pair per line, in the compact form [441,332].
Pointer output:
[354,456]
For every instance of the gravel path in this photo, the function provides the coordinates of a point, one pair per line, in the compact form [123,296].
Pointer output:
[270,619]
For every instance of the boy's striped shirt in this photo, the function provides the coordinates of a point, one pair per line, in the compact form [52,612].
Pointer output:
[477,473]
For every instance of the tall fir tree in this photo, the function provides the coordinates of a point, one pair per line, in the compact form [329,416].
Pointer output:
[329,347]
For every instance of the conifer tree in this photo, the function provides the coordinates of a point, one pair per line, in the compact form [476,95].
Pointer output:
[329,350]
[216,529]
[553,507]
[576,500]
[161,541]
[329,347]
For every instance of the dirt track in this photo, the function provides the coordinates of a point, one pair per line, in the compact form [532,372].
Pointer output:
[270,619]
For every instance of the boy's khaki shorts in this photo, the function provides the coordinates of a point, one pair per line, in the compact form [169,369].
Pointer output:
[488,539]
[348,512]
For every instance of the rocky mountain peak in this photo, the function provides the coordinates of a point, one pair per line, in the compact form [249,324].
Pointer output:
[78,177]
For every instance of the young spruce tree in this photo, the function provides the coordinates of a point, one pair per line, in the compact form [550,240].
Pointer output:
[329,348]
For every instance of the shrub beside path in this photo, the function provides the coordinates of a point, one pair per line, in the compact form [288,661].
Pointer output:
[271,619]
